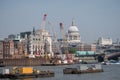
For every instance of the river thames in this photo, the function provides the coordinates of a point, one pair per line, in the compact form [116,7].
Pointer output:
[111,72]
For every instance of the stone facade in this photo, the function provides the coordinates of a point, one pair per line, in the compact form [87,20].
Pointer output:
[102,41]
[40,42]
[73,35]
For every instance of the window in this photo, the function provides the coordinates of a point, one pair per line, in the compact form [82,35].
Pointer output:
[75,37]
[70,37]
[33,38]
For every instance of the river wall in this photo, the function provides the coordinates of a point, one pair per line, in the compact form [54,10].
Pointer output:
[23,62]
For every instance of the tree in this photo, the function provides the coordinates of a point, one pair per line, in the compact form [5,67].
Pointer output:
[72,50]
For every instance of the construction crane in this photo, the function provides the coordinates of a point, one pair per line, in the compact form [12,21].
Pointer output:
[42,31]
[63,38]
[64,41]
[65,45]
[44,22]
[42,34]
[43,27]
[53,31]
[55,42]
[46,39]
[62,32]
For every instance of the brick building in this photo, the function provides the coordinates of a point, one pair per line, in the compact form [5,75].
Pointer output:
[8,48]
[1,49]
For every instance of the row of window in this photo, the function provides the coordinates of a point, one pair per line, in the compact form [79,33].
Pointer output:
[36,39]
[73,37]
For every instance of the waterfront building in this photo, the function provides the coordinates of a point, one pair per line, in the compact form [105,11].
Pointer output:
[83,47]
[24,43]
[8,48]
[102,41]
[24,34]
[39,43]
[11,36]
[86,47]
[47,42]
[73,35]
[34,44]
[1,49]
[20,48]
[16,47]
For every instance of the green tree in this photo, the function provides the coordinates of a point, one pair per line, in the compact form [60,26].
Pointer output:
[72,50]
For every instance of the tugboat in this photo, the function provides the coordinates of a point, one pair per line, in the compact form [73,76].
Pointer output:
[84,69]
[25,72]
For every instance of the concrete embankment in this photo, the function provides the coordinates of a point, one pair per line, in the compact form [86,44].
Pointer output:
[23,62]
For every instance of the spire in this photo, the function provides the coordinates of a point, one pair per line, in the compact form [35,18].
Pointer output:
[73,22]
[33,30]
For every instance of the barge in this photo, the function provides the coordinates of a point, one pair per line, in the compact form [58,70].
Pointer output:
[52,64]
[2,65]
[84,69]
[25,72]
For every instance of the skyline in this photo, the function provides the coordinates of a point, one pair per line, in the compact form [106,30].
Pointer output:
[94,18]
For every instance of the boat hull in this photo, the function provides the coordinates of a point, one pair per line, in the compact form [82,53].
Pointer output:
[20,76]
[76,71]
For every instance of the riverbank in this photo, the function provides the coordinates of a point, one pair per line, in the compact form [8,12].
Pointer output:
[23,62]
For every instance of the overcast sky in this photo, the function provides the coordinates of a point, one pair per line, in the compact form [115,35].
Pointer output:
[94,18]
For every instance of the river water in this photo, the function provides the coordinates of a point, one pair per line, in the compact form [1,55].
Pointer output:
[111,72]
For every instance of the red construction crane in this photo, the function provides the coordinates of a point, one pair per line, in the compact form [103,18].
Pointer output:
[44,21]
[65,46]
[62,31]
[63,38]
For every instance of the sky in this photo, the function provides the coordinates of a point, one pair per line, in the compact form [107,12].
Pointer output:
[94,18]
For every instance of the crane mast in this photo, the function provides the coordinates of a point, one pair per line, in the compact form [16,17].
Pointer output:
[62,31]
[64,41]
[53,32]
[42,34]
[44,22]
[65,45]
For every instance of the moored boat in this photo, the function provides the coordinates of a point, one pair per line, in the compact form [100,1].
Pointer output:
[83,69]
[52,64]
[25,72]
[2,65]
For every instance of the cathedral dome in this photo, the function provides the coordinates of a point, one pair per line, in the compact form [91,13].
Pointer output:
[73,35]
[73,29]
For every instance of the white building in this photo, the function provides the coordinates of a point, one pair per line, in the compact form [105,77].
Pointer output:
[102,41]
[39,43]
[47,40]
[73,35]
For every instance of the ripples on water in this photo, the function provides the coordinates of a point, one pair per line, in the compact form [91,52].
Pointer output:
[111,72]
